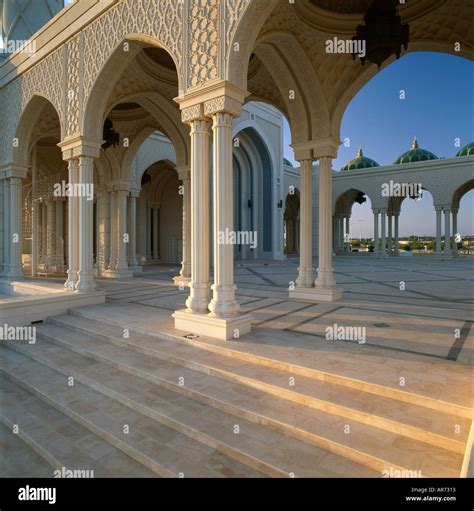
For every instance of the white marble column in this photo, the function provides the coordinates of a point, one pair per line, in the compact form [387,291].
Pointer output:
[438,210]
[50,233]
[383,221]
[184,276]
[223,321]
[390,234]
[6,228]
[103,241]
[455,231]
[325,283]
[340,240]
[60,234]
[223,301]
[132,230]
[35,205]
[85,273]
[122,244]
[198,299]
[16,228]
[447,231]
[156,231]
[73,228]
[113,231]
[397,234]
[305,269]
[376,233]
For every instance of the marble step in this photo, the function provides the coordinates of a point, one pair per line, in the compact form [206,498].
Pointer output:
[410,420]
[371,447]
[159,448]
[272,452]
[416,395]
[57,439]
[18,459]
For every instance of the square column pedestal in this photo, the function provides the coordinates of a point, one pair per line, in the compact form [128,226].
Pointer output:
[211,326]
[313,294]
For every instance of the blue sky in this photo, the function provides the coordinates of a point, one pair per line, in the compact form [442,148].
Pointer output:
[438,108]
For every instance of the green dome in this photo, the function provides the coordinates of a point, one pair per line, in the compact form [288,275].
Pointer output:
[415,154]
[360,162]
[467,150]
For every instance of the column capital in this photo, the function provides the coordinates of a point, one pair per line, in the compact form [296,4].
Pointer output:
[118,186]
[77,146]
[184,172]
[322,148]
[134,194]
[13,171]
[218,97]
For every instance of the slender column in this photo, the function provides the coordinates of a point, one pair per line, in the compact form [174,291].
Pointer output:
[198,299]
[455,231]
[85,280]
[34,213]
[325,280]
[438,230]
[376,232]
[44,232]
[122,245]
[447,231]
[390,235]
[73,226]
[60,234]
[347,234]
[186,262]
[103,243]
[383,221]
[223,301]
[113,231]
[132,230]
[50,230]
[34,237]
[6,227]
[16,235]
[397,234]
[156,231]
[305,269]
[149,211]
[340,240]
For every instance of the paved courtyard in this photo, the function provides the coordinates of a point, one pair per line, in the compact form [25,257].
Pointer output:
[418,332]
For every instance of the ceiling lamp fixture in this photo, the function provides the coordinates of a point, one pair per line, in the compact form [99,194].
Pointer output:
[383,32]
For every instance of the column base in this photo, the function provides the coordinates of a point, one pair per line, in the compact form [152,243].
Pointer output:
[179,279]
[118,274]
[211,326]
[315,294]
[15,273]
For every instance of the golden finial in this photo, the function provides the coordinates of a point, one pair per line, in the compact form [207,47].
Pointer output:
[414,145]
[360,153]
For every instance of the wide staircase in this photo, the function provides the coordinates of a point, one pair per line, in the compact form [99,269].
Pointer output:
[90,395]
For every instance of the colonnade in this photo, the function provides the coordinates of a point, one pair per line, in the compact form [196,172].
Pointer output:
[386,232]
[324,287]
